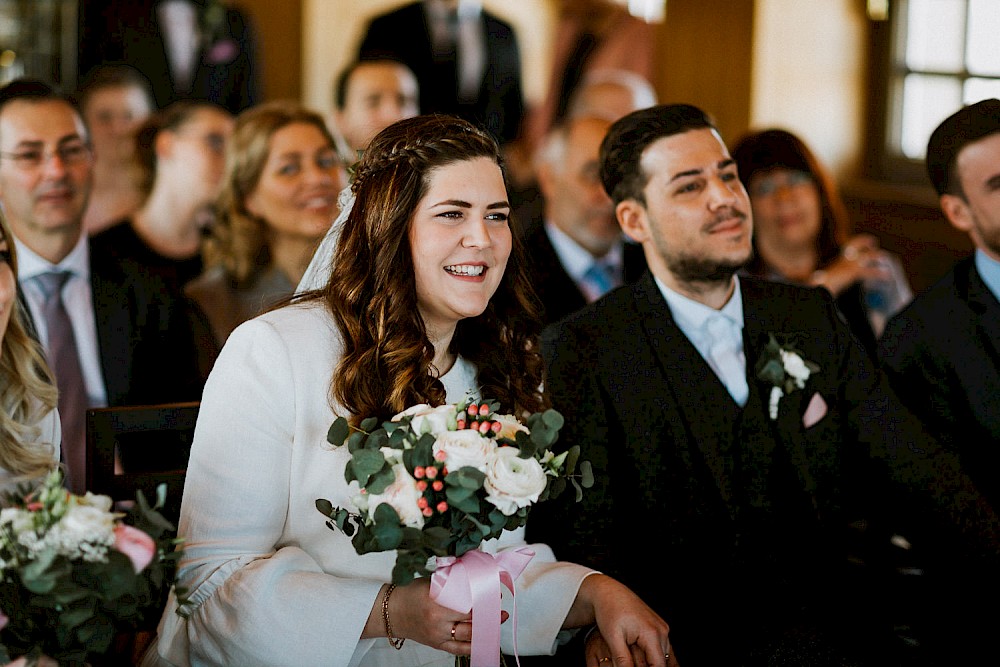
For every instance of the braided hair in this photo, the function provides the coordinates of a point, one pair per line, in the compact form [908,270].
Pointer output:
[387,363]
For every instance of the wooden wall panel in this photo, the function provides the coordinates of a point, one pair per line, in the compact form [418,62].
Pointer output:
[704,50]
[279,53]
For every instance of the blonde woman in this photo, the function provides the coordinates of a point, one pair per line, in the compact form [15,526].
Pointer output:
[29,422]
[279,198]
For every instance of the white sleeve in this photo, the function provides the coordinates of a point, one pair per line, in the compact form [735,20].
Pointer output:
[255,603]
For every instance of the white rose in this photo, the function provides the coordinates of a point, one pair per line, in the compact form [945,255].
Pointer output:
[102,503]
[796,367]
[19,520]
[509,426]
[83,523]
[402,496]
[427,419]
[465,448]
[513,482]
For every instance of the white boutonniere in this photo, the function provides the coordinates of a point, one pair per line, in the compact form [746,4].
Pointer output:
[785,369]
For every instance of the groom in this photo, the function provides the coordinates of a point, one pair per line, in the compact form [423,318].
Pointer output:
[735,475]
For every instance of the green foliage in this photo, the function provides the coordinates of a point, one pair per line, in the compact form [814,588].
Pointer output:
[68,608]
[457,513]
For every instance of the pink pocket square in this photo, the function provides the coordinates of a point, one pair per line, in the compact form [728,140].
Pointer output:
[815,411]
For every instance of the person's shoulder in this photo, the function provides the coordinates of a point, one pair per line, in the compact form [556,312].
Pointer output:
[299,322]
[497,23]
[940,299]
[598,318]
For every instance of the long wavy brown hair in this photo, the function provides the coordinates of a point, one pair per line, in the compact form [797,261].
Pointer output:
[26,392]
[372,287]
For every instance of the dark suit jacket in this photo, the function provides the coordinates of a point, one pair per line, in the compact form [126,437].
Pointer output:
[143,333]
[558,293]
[126,31]
[404,34]
[731,525]
[942,356]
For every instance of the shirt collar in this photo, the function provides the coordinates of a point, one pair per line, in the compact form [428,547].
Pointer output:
[691,315]
[989,271]
[31,264]
[576,259]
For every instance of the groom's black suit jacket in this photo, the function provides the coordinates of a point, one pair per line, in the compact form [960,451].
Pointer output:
[730,525]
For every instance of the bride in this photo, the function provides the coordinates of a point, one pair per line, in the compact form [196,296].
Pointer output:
[424,299]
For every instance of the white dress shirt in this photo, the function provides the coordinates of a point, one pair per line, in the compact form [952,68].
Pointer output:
[79,301]
[693,319]
[576,260]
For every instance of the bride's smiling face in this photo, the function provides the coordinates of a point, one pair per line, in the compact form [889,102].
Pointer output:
[460,240]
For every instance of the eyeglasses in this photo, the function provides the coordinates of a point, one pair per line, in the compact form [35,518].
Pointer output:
[768,185]
[70,154]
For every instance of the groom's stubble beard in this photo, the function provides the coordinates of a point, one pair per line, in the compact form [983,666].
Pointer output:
[699,270]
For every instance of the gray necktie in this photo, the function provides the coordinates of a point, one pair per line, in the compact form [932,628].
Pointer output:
[65,362]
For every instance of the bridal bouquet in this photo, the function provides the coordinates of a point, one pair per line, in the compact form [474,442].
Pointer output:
[434,483]
[73,573]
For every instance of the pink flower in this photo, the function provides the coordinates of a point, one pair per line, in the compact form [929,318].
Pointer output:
[137,545]
[222,52]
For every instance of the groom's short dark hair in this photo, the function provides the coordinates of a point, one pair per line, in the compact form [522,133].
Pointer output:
[625,141]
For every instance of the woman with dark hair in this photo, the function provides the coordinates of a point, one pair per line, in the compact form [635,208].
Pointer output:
[425,302]
[29,420]
[279,196]
[802,233]
[182,152]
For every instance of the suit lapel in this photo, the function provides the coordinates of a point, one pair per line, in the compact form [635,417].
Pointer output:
[760,321]
[987,308]
[114,328]
[695,388]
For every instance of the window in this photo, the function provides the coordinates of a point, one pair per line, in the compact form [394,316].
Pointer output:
[936,56]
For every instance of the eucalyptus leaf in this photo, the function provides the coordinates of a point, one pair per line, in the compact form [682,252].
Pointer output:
[338,432]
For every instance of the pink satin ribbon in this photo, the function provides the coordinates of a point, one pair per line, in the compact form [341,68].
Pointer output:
[473,581]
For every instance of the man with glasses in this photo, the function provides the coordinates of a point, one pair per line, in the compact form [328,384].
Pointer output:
[113,335]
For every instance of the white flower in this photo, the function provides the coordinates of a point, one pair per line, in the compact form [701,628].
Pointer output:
[20,520]
[772,403]
[429,420]
[513,482]
[84,523]
[100,502]
[509,426]
[465,448]
[402,496]
[795,367]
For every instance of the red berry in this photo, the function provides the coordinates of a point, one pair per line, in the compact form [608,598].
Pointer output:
[484,409]
[442,507]
[418,472]
[431,472]
[440,456]
[427,511]
[437,485]
[421,486]
[473,410]
[496,426]
[484,427]
[460,424]
[422,502]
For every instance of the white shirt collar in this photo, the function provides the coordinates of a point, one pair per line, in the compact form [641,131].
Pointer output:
[31,264]
[576,259]
[691,315]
